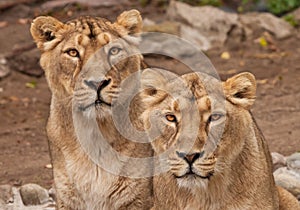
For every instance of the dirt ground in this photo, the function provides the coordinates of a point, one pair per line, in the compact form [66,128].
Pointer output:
[25,100]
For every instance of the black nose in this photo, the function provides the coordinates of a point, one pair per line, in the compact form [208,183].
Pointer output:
[190,158]
[97,85]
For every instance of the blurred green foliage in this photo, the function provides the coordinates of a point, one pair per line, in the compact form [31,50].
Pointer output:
[246,5]
[291,20]
[281,6]
[277,7]
[158,3]
[216,3]
[144,2]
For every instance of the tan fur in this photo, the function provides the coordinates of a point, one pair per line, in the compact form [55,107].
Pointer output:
[234,175]
[80,183]
[286,200]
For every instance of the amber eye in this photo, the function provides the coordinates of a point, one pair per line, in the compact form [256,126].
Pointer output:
[114,50]
[171,118]
[73,53]
[215,117]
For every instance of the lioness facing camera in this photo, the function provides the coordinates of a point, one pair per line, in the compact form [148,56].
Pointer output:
[85,60]
[215,155]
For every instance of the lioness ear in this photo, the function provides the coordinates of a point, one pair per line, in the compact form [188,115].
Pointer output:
[241,89]
[153,85]
[152,79]
[130,20]
[44,31]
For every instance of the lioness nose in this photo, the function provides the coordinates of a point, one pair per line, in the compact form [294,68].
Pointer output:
[97,85]
[190,158]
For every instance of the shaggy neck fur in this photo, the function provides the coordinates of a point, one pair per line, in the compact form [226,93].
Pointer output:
[104,186]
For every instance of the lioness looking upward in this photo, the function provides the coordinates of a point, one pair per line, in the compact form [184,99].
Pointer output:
[85,60]
[212,154]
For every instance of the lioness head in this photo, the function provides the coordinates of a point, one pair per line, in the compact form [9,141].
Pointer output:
[196,123]
[88,57]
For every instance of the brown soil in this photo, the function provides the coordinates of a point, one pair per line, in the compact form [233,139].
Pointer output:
[23,142]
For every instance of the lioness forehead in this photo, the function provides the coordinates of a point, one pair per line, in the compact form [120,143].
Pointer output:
[198,97]
[207,90]
[92,26]
[199,92]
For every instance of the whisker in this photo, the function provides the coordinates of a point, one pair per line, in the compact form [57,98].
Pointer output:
[79,94]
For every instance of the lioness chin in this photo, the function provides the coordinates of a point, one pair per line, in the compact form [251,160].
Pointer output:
[213,153]
[85,60]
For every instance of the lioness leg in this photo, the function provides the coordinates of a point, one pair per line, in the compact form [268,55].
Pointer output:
[67,197]
[286,200]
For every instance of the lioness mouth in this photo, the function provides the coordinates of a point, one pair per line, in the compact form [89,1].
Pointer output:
[99,101]
[190,173]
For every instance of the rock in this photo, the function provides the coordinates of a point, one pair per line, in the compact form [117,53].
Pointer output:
[33,194]
[148,22]
[253,22]
[20,11]
[214,28]
[164,27]
[278,160]
[179,49]
[4,68]
[296,15]
[201,25]
[6,194]
[52,193]
[165,44]
[288,179]
[27,63]
[293,162]
[192,35]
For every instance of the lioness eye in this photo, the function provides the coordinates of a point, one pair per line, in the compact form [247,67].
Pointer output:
[171,118]
[114,50]
[214,117]
[73,53]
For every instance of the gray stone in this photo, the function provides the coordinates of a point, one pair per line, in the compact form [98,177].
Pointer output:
[26,63]
[177,48]
[288,179]
[278,160]
[210,27]
[252,22]
[193,35]
[6,194]
[21,11]
[293,162]
[211,23]
[165,44]
[33,194]
[52,193]
[168,27]
[296,15]
[4,68]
